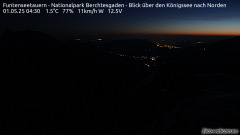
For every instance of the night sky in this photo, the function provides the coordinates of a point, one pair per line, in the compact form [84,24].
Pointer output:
[205,21]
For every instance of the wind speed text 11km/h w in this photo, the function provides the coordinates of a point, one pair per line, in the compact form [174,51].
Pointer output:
[99,11]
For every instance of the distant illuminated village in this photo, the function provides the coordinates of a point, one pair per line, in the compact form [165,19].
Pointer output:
[149,59]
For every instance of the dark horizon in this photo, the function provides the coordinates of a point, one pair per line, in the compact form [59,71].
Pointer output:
[119,36]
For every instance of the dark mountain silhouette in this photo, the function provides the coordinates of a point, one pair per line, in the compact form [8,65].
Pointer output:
[62,88]
[233,41]
[222,56]
[27,43]
[27,36]
[225,48]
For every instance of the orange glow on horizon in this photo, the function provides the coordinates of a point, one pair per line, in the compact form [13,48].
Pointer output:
[202,34]
[190,33]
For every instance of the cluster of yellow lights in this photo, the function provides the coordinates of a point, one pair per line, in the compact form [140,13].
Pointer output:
[122,55]
[167,46]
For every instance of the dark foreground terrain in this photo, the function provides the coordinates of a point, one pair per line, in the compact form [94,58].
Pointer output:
[52,87]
